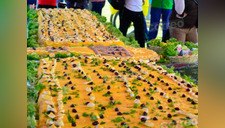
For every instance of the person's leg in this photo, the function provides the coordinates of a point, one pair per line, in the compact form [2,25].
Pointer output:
[139,29]
[146,29]
[178,33]
[155,18]
[125,21]
[94,6]
[165,18]
[192,35]
[102,4]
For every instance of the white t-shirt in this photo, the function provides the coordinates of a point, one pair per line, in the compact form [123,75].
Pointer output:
[134,5]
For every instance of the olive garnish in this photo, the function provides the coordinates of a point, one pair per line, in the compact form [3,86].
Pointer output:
[119,113]
[116,109]
[145,113]
[169,88]
[170,100]
[155,118]
[151,98]
[142,105]
[108,87]
[143,119]
[101,116]
[160,107]
[183,95]
[72,105]
[77,117]
[72,88]
[74,124]
[174,92]
[69,97]
[74,110]
[111,98]
[169,116]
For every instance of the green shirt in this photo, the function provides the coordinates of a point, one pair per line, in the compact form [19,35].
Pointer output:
[165,4]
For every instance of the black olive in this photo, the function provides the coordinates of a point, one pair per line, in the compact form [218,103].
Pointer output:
[169,88]
[188,99]
[167,84]
[103,108]
[85,77]
[69,97]
[142,105]
[158,79]
[189,85]
[169,116]
[108,87]
[72,105]
[111,98]
[85,61]
[65,68]
[116,109]
[119,113]
[145,113]
[143,119]
[144,90]
[48,112]
[68,78]
[104,81]
[169,100]
[98,74]
[66,85]
[65,74]
[94,70]
[74,65]
[162,81]
[174,92]
[161,93]
[193,102]
[154,118]
[196,93]
[160,107]
[90,83]
[86,103]
[101,116]
[155,88]
[151,98]
[177,108]
[174,122]
[187,89]
[123,123]
[70,82]
[74,110]
[77,117]
[108,92]
[138,97]
[182,82]
[72,88]
[74,124]
[95,123]
[183,95]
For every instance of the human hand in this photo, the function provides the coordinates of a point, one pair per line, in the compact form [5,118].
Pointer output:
[181,17]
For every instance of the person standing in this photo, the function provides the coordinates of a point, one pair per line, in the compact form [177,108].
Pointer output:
[159,8]
[77,4]
[47,4]
[133,12]
[184,21]
[97,6]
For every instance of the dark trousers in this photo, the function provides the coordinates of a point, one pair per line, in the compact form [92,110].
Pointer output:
[155,19]
[46,6]
[137,18]
[97,7]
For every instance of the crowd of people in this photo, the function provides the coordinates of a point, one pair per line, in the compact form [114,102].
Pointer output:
[179,17]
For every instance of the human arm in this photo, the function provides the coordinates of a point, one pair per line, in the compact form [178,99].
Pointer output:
[179,6]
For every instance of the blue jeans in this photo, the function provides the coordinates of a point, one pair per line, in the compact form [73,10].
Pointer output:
[97,7]
[155,19]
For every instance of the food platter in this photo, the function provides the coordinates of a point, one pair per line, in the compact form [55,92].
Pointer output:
[88,76]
